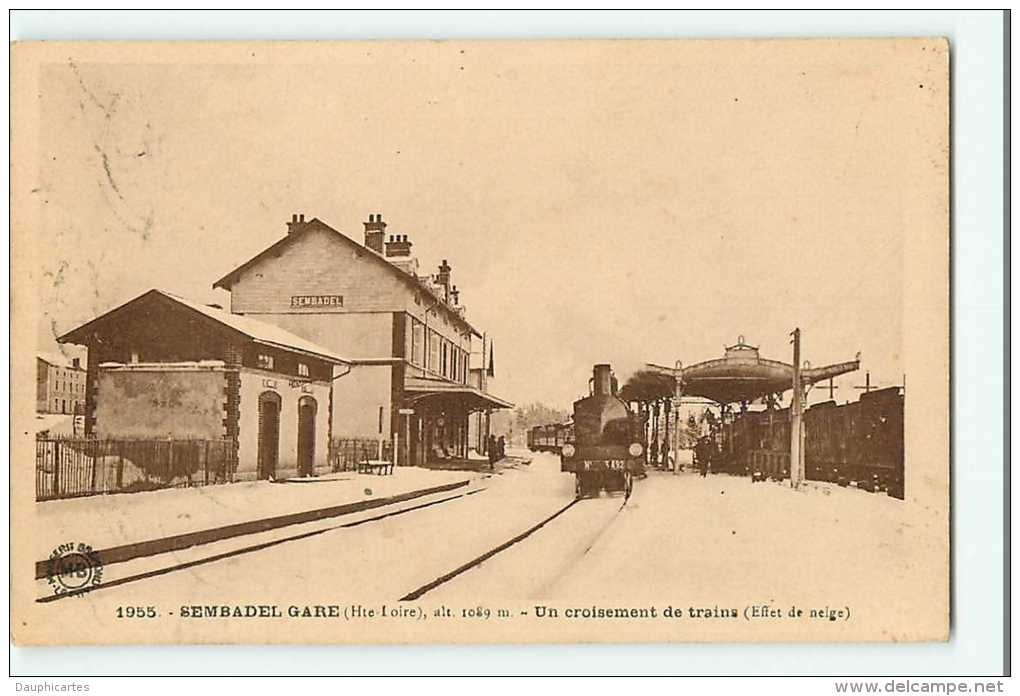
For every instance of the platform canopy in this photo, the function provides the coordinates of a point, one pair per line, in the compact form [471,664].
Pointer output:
[740,375]
[445,394]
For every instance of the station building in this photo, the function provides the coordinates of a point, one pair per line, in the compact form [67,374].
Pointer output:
[161,366]
[406,336]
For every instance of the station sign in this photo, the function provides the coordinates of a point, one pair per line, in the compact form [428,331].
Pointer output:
[316,301]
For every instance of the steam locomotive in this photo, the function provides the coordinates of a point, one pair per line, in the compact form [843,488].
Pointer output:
[606,451]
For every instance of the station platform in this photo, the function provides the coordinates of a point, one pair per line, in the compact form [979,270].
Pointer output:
[478,465]
[126,525]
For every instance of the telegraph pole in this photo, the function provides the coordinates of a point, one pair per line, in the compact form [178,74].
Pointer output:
[679,390]
[867,383]
[796,408]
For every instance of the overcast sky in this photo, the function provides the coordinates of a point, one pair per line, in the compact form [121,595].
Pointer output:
[615,202]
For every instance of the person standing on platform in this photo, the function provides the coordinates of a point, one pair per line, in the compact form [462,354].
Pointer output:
[493,454]
[702,454]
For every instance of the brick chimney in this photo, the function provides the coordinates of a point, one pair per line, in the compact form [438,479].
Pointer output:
[398,246]
[375,232]
[454,296]
[443,279]
[296,223]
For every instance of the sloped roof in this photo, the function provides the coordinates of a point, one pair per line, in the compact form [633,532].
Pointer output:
[257,331]
[54,359]
[228,281]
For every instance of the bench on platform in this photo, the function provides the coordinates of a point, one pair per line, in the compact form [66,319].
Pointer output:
[375,466]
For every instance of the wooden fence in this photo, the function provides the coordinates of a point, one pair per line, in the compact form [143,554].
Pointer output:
[71,467]
[346,454]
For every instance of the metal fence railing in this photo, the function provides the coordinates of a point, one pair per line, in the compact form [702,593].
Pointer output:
[71,467]
[348,453]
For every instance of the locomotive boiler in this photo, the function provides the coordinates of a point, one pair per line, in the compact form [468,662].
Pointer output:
[606,452]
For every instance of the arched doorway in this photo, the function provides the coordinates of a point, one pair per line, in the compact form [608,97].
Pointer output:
[307,409]
[269,434]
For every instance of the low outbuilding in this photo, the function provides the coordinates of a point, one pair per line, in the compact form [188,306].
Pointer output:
[161,366]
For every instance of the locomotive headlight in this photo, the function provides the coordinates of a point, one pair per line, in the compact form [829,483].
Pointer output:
[567,451]
[636,449]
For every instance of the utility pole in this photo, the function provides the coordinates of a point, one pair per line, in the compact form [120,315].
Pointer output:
[867,383]
[796,408]
[679,390]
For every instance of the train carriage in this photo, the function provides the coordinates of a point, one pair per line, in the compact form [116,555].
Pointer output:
[859,444]
[550,438]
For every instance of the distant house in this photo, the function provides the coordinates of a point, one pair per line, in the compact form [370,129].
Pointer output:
[406,335]
[59,384]
[161,366]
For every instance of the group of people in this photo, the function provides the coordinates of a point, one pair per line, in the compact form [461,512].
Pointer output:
[659,456]
[497,450]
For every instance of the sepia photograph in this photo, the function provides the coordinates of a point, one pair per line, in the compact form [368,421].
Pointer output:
[432,342]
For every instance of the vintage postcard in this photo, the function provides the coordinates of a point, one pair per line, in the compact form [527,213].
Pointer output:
[477,341]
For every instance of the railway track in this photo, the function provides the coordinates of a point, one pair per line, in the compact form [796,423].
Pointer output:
[230,548]
[479,560]
[152,566]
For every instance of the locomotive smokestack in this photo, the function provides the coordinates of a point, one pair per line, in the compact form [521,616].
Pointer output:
[603,380]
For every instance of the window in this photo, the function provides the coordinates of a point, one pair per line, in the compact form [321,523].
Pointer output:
[265,362]
[302,370]
[434,339]
[418,344]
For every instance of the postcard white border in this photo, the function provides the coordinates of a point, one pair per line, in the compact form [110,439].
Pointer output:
[977,117]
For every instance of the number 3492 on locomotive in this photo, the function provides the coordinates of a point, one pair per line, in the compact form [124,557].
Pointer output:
[603,465]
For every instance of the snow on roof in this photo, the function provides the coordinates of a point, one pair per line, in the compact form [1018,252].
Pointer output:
[227,281]
[54,359]
[258,331]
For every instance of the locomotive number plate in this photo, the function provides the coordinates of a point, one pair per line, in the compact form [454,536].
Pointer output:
[611,464]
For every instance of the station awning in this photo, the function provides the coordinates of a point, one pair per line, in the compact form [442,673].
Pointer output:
[440,392]
[740,376]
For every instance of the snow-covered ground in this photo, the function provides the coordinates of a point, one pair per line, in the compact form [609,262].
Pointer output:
[530,568]
[710,543]
[54,423]
[384,559]
[724,542]
[105,521]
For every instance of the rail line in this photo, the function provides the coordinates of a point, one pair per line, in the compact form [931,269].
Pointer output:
[255,547]
[474,563]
